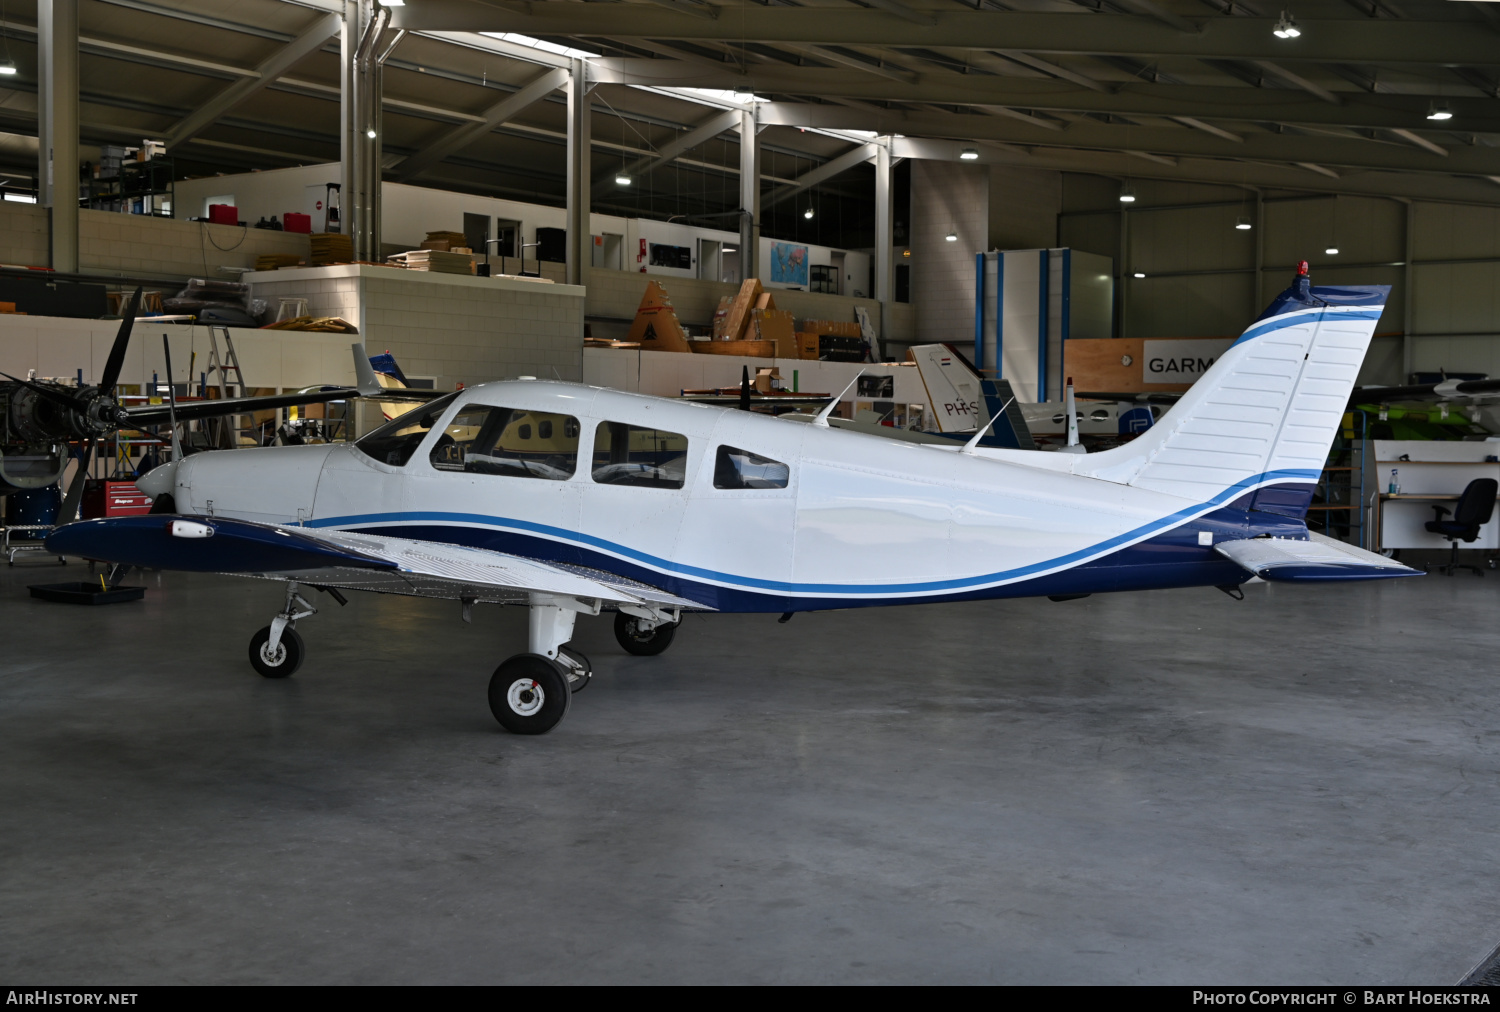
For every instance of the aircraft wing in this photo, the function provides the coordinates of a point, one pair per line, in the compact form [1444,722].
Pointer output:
[344,559]
[1320,558]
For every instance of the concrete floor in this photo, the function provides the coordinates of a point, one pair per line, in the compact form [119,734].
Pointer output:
[1168,787]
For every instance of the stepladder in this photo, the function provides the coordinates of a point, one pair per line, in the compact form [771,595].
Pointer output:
[224,372]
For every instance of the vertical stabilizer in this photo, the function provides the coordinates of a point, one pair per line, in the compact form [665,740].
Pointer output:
[1259,424]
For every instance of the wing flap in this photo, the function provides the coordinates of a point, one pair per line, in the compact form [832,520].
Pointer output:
[1320,558]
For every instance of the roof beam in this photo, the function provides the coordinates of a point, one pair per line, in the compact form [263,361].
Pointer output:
[900,9]
[535,90]
[1209,128]
[829,169]
[1090,134]
[1421,142]
[1339,40]
[1046,67]
[313,38]
[679,145]
[690,9]
[1298,80]
[879,70]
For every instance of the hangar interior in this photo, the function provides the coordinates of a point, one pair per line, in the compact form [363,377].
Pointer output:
[1071,209]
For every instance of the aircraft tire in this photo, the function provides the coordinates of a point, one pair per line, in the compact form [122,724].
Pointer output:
[529,694]
[639,643]
[290,653]
[578,682]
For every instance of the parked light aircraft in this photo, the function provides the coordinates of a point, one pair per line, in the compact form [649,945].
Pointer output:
[576,500]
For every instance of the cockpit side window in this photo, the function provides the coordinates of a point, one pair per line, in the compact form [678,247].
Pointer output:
[395,441]
[737,469]
[635,455]
[510,442]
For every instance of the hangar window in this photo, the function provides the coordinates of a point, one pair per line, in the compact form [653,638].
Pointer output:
[395,441]
[486,440]
[680,257]
[736,468]
[633,455]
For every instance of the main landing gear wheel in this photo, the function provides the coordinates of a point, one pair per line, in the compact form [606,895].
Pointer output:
[529,694]
[581,673]
[633,635]
[281,663]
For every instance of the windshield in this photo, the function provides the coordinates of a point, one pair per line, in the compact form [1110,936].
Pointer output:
[395,441]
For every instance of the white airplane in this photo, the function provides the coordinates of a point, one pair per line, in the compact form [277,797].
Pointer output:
[576,500]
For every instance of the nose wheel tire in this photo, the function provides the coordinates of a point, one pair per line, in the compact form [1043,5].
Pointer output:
[578,678]
[529,694]
[281,663]
[640,641]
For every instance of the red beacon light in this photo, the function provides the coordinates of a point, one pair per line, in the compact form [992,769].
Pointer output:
[1302,268]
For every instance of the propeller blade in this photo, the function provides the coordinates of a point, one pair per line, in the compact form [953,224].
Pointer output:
[55,396]
[116,360]
[74,498]
[166,347]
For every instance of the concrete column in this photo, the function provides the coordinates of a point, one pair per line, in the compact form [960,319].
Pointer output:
[1260,255]
[749,197]
[360,122]
[57,120]
[1409,296]
[580,232]
[884,238]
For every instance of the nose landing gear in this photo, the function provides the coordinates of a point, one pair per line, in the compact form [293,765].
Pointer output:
[277,650]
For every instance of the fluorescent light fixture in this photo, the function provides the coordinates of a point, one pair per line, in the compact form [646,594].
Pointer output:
[1243,224]
[1286,28]
[1332,251]
[21,198]
[808,213]
[622,180]
[1138,274]
[8,68]
[392,3]
[1437,112]
[1127,195]
[969,154]
[951,237]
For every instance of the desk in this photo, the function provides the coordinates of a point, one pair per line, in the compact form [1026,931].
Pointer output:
[1398,522]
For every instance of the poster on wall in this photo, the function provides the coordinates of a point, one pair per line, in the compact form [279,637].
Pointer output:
[789,263]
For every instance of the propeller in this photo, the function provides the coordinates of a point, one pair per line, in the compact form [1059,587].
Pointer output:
[745,388]
[101,403]
[166,347]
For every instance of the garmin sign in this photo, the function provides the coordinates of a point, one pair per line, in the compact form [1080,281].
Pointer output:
[1180,361]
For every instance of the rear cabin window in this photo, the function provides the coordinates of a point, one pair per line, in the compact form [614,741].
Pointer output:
[509,442]
[633,455]
[736,468]
[395,441]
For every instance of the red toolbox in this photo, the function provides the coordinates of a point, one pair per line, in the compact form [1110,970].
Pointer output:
[294,222]
[223,214]
[110,497]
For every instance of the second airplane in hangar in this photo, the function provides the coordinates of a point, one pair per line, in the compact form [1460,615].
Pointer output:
[575,500]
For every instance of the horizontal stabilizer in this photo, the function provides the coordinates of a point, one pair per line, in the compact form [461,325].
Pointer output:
[1318,559]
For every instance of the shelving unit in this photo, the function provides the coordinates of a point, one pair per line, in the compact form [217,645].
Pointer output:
[134,188]
[1338,503]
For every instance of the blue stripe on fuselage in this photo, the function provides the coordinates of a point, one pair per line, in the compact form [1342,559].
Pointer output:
[534,540]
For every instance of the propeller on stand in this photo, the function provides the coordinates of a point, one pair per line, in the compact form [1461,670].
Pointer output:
[166,347]
[101,411]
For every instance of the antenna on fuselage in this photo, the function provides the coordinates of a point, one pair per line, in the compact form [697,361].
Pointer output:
[822,416]
[974,440]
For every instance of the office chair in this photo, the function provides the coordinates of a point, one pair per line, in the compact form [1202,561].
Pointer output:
[1471,512]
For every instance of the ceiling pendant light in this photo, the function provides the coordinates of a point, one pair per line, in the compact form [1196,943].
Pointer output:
[1138,274]
[1440,111]
[951,237]
[808,214]
[1127,195]
[1332,251]
[7,67]
[1243,224]
[1286,28]
[622,180]
[969,154]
